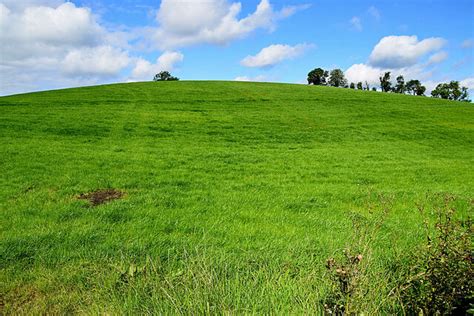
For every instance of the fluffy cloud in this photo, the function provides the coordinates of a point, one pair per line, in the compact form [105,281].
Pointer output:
[388,56]
[274,54]
[356,23]
[184,23]
[468,82]
[144,70]
[402,51]
[57,44]
[45,31]
[96,61]
[362,72]
[16,5]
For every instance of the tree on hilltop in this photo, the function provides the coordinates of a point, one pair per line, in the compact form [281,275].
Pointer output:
[400,86]
[164,76]
[451,91]
[336,78]
[317,76]
[385,83]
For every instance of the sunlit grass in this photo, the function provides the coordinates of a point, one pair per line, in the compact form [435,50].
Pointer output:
[236,193]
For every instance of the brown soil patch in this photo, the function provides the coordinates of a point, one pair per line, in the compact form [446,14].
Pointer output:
[101,196]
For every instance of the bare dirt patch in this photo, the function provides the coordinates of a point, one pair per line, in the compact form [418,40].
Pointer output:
[101,196]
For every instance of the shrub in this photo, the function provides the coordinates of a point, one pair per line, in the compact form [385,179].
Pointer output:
[441,280]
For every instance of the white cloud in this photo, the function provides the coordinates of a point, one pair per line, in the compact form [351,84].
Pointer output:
[362,72]
[437,58]
[468,43]
[356,23]
[259,78]
[274,54]
[144,70]
[468,82]
[95,61]
[399,55]
[15,5]
[184,23]
[402,51]
[53,44]
[373,11]
[47,40]
[45,31]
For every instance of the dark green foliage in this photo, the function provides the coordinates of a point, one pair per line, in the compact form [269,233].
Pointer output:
[414,87]
[451,91]
[385,83]
[352,85]
[359,86]
[164,76]
[374,89]
[420,90]
[400,86]
[336,78]
[441,281]
[317,76]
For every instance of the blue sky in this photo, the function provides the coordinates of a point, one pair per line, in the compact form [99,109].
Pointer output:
[49,44]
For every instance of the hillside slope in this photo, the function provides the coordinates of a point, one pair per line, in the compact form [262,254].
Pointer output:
[235,193]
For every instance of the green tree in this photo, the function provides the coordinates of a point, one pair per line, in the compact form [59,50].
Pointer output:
[352,86]
[374,89]
[385,83]
[359,85]
[367,86]
[336,78]
[400,86]
[420,90]
[414,87]
[164,76]
[411,86]
[317,76]
[451,91]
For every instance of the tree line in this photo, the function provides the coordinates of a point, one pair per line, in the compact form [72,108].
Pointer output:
[336,78]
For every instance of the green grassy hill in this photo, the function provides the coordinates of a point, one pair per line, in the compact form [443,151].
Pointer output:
[235,193]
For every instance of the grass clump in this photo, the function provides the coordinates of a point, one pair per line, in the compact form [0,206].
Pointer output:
[354,277]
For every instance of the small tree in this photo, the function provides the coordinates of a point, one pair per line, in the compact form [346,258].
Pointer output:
[336,78]
[359,85]
[412,85]
[374,89]
[420,90]
[385,83]
[352,86]
[451,91]
[164,76]
[400,86]
[367,87]
[317,76]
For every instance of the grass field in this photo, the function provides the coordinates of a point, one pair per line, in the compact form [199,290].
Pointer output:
[236,194]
